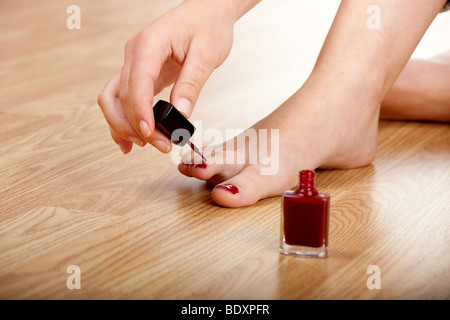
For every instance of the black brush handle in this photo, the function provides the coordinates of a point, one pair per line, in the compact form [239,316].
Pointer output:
[168,119]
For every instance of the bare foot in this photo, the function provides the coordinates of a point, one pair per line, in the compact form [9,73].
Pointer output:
[316,130]
[421,92]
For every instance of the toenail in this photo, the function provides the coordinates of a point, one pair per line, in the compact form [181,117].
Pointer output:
[201,166]
[229,187]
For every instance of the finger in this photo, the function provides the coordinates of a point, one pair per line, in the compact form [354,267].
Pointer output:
[149,57]
[160,141]
[157,139]
[124,145]
[196,70]
[112,110]
[167,76]
[125,72]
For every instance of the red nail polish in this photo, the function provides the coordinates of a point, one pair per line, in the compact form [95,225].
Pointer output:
[229,187]
[304,219]
[201,166]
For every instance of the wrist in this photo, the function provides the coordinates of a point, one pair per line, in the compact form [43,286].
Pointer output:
[232,9]
[242,6]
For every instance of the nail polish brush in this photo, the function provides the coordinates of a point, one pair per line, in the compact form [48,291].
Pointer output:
[168,120]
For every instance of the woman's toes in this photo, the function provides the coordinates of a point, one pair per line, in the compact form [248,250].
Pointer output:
[209,171]
[184,169]
[247,187]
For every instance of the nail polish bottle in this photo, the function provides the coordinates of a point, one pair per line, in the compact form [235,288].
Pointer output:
[174,125]
[304,219]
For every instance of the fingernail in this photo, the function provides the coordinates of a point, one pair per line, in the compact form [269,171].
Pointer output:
[122,148]
[145,129]
[161,146]
[137,141]
[184,106]
[229,187]
[201,166]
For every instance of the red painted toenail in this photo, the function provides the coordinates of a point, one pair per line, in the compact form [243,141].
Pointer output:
[201,166]
[229,187]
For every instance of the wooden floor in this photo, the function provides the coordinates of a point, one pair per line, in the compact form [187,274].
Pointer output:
[138,229]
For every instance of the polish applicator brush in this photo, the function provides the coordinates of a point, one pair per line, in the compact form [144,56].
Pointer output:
[174,125]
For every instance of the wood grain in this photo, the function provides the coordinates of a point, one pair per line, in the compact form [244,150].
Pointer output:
[138,229]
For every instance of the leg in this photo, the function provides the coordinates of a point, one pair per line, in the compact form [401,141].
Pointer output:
[421,92]
[332,121]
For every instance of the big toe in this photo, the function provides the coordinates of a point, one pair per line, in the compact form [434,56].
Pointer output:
[210,171]
[247,187]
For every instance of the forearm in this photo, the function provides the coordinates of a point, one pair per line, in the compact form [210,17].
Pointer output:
[356,54]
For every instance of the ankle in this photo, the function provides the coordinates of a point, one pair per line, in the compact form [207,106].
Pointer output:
[350,113]
[362,89]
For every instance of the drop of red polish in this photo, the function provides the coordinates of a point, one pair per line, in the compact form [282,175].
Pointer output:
[229,187]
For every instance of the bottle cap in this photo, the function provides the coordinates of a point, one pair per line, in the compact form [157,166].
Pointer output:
[172,123]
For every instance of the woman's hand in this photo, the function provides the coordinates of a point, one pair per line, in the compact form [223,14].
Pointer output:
[182,47]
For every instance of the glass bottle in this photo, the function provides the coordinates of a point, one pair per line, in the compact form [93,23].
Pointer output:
[304,219]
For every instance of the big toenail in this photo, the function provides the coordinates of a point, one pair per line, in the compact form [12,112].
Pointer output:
[229,187]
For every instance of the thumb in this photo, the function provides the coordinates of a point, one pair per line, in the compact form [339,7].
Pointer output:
[193,76]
